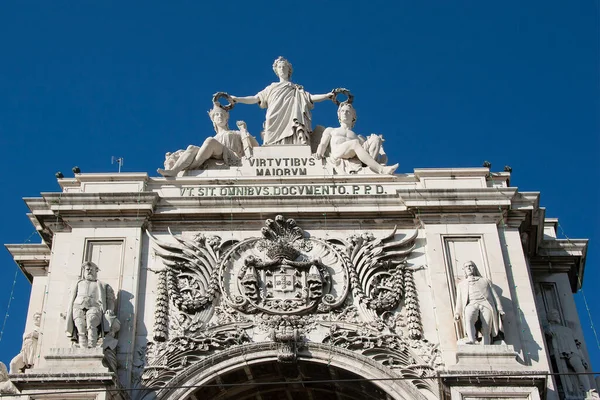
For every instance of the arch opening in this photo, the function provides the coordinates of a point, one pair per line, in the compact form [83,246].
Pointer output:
[303,380]
[255,372]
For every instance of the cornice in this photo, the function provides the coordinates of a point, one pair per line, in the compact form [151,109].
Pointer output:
[562,256]
[444,200]
[32,259]
[109,203]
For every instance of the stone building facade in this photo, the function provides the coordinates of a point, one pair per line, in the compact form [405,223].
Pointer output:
[228,278]
[298,270]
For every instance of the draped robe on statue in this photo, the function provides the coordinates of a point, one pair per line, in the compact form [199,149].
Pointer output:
[285,102]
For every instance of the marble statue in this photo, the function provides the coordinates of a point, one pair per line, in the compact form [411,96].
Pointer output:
[477,301]
[343,144]
[288,105]
[227,145]
[566,351]
[91,305]
[171,158]
[6,386]
[26,357]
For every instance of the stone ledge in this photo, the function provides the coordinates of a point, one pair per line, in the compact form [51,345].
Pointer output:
[74,353]
[84,360]
[470,381]
[482,358]
[81,385]
[62,377]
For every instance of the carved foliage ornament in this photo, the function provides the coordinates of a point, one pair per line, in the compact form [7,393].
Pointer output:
[280,287]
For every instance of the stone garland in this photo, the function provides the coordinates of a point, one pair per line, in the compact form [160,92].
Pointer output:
[413,315]
[161,313]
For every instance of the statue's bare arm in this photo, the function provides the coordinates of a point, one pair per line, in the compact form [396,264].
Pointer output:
[325,139]
[315,98]
[246,99]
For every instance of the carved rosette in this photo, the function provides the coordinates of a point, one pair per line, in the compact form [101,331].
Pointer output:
[283,273]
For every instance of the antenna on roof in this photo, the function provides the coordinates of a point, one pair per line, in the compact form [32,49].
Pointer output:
[118,160]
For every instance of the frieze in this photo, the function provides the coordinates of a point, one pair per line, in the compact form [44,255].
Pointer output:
[281,190]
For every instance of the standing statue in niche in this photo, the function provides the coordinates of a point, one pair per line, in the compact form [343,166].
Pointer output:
[227,145]
[288,105]
[478,305]
[26,357]
[566,350]
[343,144]
[91,308]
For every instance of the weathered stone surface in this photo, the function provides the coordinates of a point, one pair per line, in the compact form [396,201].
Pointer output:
[275,262]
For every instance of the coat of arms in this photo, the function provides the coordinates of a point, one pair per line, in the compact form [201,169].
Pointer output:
[283,272]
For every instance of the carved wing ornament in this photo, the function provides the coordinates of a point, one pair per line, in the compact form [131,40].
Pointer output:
[289,288]
[379,272]
[191,269]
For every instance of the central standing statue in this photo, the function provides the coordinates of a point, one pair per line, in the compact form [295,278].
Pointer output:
[288,107]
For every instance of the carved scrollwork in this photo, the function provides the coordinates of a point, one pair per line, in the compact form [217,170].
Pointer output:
[415,359]
[289,331]
[165,360]
[288,288]
[283,272]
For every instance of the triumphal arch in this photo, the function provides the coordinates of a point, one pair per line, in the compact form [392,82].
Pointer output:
[303,267]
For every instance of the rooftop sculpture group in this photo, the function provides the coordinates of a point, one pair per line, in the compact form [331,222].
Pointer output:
[288,122]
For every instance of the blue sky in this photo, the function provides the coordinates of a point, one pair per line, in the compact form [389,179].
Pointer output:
[448,84]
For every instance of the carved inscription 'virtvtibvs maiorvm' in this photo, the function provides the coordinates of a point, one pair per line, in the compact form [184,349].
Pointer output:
[281,166]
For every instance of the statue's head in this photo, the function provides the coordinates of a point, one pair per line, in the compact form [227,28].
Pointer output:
[219,117]
[470,269]
[89,271]
[553,316]
[347,114]
[37,317]
[283,68]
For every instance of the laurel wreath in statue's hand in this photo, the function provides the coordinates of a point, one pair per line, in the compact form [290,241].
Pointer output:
[346,92]
[226,96]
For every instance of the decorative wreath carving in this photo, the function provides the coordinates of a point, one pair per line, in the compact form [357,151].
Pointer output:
[222,95]
[345,92]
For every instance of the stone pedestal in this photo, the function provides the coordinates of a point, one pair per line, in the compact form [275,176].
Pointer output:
[76,359]
[74,372]
[486,358]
